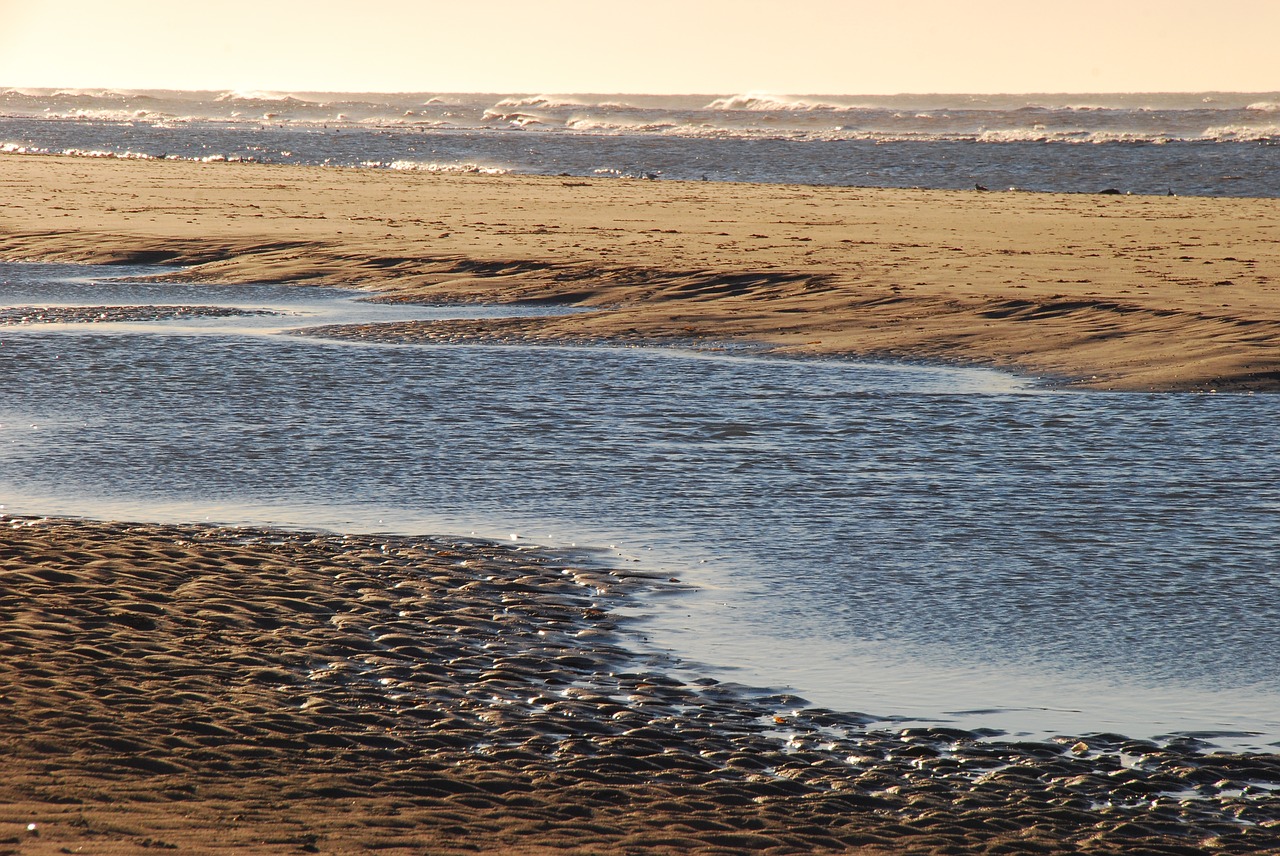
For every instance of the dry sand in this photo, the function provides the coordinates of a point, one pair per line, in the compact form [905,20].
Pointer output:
[210,690]
[1109,292]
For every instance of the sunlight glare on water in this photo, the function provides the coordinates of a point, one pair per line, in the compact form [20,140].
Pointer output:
[918,542]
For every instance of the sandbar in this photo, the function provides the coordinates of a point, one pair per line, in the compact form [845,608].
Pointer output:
[1097,291]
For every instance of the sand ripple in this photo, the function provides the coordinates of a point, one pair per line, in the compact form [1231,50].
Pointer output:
[23,315]
[275,692]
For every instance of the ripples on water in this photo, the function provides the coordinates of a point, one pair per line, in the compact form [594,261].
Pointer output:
[902,540]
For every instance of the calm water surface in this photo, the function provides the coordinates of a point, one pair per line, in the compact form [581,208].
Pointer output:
[911,542]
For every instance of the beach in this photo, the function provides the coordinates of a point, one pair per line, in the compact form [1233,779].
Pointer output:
[1098,291]
[203,688]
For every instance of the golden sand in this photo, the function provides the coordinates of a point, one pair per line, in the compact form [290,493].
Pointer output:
[1108,292]
[212,690]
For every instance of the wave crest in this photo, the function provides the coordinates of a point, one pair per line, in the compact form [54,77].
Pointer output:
[592,123]
[761,102]
[439,168]
[546,102]
[260,96]
[1243,133]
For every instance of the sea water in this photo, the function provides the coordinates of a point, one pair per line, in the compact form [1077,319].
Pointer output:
[1218,144]
[918,543]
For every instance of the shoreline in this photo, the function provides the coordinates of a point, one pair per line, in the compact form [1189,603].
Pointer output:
[1096,292]
[212,688]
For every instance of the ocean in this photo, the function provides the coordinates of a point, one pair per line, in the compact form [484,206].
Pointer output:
[1210,144]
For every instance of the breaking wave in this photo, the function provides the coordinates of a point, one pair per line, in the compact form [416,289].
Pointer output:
[90,93]
[589,124]
[438,168]
[260,96]
[1030,141]
[765,103]
[1243,133]
[546,102]
[517,119]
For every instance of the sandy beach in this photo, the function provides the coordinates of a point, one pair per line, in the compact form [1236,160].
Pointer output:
[1100,291]
[206,689]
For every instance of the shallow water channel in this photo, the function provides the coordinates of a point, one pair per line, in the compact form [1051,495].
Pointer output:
[916,543]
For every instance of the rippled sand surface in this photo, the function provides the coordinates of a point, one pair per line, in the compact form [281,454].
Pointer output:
[209,689]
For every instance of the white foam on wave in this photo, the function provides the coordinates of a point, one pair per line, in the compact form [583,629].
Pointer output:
[761,102]
[1074,108]
[590,124]
[101,115]
[438,168]
[546,102]
[91,93]
[1070,135]
[517,119]
[1242,133]
[260,95]
[101,153]
[1264,107]
[719,132]
[108,154]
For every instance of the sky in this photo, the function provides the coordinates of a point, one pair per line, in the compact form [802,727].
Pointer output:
[654,46]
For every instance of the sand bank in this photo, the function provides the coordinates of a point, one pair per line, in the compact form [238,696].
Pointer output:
[209,689]
[1107,292]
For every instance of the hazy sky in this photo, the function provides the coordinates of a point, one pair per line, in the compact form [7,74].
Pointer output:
[661,46]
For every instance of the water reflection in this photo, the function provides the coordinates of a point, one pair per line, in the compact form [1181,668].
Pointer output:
[899,540]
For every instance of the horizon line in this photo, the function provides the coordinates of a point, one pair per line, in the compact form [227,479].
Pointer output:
[690,94]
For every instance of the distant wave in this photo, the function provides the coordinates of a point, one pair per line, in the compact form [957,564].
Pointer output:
[548,102]
[761,102]
[1038,118]
[1069,135]
[21,149]
[1075,108]
[92,93]
[443,168]
[592,123]
[108,154]
[1243,133]
[258,96]
[517,119]
[101,115]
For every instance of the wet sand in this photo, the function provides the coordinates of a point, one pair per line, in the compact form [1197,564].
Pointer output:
[1107,292]
[206,689]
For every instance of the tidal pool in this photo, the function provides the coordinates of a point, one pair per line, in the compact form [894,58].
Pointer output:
[917,543]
